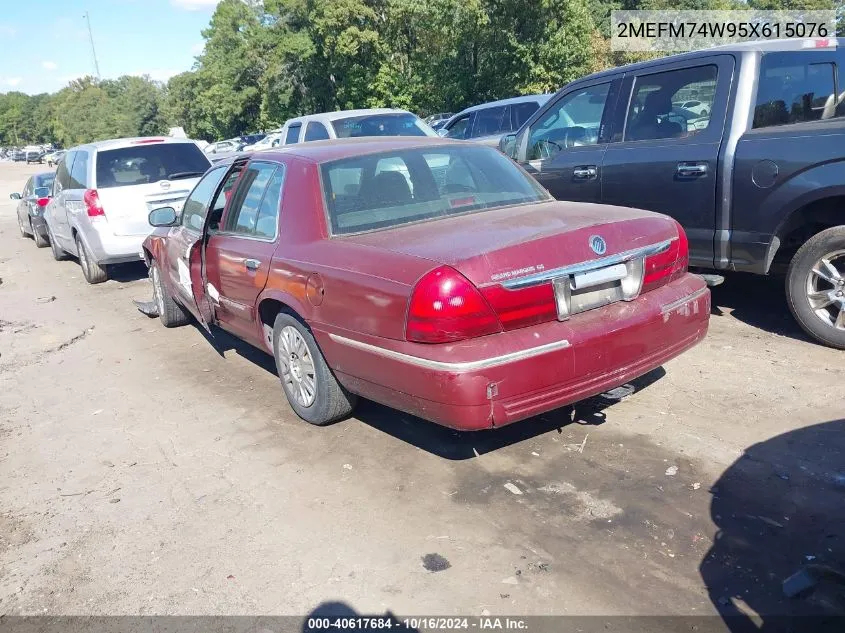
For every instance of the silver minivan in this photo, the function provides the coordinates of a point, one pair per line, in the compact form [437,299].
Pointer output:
[104,192]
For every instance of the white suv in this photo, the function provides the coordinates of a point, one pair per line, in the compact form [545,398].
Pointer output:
[104,192]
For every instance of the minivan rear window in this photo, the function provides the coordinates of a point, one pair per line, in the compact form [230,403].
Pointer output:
[145,164]
[399,124]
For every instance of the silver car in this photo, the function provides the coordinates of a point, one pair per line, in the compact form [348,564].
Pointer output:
[488,122]
[349,123]
[104,192]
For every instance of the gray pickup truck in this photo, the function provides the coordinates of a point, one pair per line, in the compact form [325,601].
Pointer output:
[754,170]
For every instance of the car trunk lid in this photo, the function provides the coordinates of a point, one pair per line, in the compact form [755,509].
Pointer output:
[127,208]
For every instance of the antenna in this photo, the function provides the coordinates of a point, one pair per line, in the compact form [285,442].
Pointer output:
[91,39]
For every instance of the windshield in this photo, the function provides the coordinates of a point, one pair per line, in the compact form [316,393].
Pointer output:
[399,124]
[378,191]
[145,164]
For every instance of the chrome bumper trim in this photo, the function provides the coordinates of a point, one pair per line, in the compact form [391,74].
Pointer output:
[684,300]
[572,269]
[427,363]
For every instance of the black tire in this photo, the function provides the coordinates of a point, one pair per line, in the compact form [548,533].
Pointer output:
[92,271]
[40,240]
[800,268]
[22,228]
[58,252]
[170,312]
[331,401]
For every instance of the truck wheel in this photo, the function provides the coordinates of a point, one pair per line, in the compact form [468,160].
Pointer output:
[310,386]
[170,312]
[815,287]
[40,240]
[93,272]
[58,253]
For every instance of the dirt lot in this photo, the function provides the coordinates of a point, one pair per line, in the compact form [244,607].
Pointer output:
[153,471]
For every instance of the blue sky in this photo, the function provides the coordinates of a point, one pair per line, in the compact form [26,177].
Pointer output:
[44,43]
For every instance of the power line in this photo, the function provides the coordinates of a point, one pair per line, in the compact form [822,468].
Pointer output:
[91,39]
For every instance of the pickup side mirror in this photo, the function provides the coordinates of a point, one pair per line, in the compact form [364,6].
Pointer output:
[15,196]
[507,145]
[164,216]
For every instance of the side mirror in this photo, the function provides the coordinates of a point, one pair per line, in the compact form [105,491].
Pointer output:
[15,196]
[507,145]
[164,216]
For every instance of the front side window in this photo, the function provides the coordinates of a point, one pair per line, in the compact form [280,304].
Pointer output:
[460,128]
[791,90]
[490,121]
[662,107]
[293,133]
[398,124]
[148,163]
[378,191]
[197,203]
[248,196]
[571,122]
[316,131]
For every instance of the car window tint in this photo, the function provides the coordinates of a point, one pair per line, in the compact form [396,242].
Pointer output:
[571,122]
[248,195]
[197,203]
[268,212]
[79,171]
[316,131]
[460,128]
[63,172]
[45,181]
[149,163]
[27,188]
[404,186]
[521,112]
[656,109]
[489,121]
[398,124]
[292,135]
[791,90]
[346,181]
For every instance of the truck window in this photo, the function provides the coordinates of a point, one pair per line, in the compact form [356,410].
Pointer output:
[573,121]
[316,131]
[293,133]
[673,104]
[791,90]
[490,121]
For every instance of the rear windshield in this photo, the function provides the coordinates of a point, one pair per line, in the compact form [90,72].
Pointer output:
[400,124]
[45,181]
[378,191]
[145,164]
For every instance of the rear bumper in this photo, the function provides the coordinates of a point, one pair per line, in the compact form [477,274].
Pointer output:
[496,380]
[108,248]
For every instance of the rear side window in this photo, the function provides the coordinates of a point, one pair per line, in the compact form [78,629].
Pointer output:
[399,124]
[791,90]
[146,164]
[249,196]
[79,171]
[489,121]
[521,112]
[63,172]
[316,131]
[292,135]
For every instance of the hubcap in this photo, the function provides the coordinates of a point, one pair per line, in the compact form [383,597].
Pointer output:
[297,367]
[826,289]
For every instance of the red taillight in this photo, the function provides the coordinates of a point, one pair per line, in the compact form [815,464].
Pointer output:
[667,265]
[446,307]
[524,307]
[42,202]
[92,203]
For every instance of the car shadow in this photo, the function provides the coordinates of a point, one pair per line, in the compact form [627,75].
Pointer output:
[221,341]
[758,301]
[460,445]
[125,273]
[780,511]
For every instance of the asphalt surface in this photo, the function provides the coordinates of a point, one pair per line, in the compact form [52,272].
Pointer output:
[154,471]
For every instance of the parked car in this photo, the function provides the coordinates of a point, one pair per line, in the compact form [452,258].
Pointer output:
[53,158]
[758,184]
[268,142]
[486,123]
[31,203]
[701,109]
[222,147]
[437,120]
[354,123]
[251,139]
[433,276]
[104,191]
[33,154]
[17,155]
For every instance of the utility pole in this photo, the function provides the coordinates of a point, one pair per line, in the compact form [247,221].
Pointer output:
[91,39]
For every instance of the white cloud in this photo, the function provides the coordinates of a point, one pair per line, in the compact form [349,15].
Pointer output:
[47,65]
[12,82]
[194,5]
[198,48]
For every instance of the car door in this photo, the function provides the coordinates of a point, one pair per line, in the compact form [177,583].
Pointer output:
[182,237]
[58,221]
[667,157]
[460,128]
[23,207]
[237,257]
[564,146]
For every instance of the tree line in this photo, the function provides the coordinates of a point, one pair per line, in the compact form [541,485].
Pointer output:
[265,61]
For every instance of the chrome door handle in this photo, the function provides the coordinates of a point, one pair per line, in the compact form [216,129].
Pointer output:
[688,170]
[252,264]
[585,172]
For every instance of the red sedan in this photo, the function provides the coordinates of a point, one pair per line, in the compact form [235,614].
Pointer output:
[433,276]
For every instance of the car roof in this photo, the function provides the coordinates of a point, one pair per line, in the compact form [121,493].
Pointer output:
[329,117]
[334,149]
[541,99]
[119,143]
[767,46]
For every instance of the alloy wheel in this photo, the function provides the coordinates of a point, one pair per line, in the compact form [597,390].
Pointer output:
[826,289]
[297,366]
